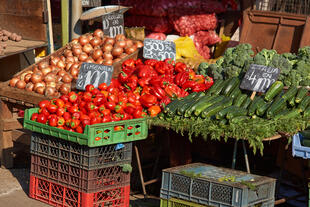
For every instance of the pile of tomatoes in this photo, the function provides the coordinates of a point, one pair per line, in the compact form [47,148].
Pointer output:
[141,89]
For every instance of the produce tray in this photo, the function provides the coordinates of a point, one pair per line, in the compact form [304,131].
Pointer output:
[94,135]
[80,156]
[200,183]
[178,202]
[76,178]
[297,149]
[61,196]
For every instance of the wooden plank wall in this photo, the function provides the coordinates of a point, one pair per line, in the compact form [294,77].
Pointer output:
[24,17]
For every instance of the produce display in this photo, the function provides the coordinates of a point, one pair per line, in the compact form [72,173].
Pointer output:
[225,110]
[295,68]
[141,89]
[5,36]
[54,77]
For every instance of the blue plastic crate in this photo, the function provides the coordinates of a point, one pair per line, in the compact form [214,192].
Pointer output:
[203,184]
[297,149]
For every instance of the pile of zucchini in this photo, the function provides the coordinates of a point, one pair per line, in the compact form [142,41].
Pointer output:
[225,102]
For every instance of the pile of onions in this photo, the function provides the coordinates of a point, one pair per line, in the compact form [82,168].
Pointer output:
[54,77]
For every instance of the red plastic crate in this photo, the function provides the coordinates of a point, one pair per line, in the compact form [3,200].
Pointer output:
[58,195]
[79,179]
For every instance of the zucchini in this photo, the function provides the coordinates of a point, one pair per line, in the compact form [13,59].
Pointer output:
[212,110]
[282,113]
[197,104]
[223,122]
[291,102]
[239,119]
[221,87]
[256,103]
[302,92]
[307,112]
[305,134]
[215,87]
[274,90]
[246,103]
[275,107]
[221,114]
[205,105]
[291,114]
[240,99]
[237,112]
[291,92]
[261,110]
[232,83]
[304,103]
[172,107]
[235,92]
[187,103]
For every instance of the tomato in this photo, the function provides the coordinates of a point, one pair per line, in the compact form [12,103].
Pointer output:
[99,100]
[105,93]
[68,123]
[59,102]
[61,121]
[103,86]
[123,99]
[106,118]
[34,116]
[106,112]
[116,117]
[92,114]
[89,87]
[44,111]
[60,111]
[82,104]
[42,119]
[73,109]
[138,113]
[52,121]
[52,108]
[95,120]
[112,90]
[130,108]
[126,116]
[110,105]
[79,129]
[67,116]
[67,105]
[74,123]
[119,109]
[101,108]
[60,127]
[76,115]
[43,104]
[154,110]
[85,122]
[91,106]
[83,117]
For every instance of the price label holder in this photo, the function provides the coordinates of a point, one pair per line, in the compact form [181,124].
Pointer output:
[158,49]
[95,74]
[259,78]
[113,24]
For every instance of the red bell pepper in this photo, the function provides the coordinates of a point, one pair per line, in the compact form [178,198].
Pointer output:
[129,63]
[148,100]
[151,62]
[173,90]
[181,78]
[165,101]
[154,110]
[73,97]
[180,67]
[158,92]
[123,77]
[209,81]
[144,81]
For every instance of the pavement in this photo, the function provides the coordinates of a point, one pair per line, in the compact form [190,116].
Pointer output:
[14,188]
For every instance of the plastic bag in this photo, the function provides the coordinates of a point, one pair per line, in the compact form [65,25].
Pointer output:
[185,48]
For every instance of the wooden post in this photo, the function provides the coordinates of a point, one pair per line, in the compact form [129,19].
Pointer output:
[6,142]
[65,21]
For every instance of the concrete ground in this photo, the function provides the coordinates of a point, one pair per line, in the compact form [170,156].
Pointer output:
[14,188]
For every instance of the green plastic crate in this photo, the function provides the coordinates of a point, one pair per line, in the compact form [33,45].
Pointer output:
[94,135]
[178,203]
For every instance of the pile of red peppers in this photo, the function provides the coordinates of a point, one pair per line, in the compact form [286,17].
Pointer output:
[141,89]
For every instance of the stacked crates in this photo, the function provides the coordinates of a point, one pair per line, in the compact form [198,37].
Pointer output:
[198,184]
[83,170]
[64,173]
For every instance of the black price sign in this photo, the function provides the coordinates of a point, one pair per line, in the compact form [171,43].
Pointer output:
[259,78]
[113,24]
[158,49]
[95,74]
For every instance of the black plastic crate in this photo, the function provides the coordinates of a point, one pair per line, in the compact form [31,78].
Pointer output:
[209,185]
[80,155]
[79,179]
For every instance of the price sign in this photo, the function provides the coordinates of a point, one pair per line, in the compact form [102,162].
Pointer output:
[158,49]
[113,24]
[259,78]
[95,74]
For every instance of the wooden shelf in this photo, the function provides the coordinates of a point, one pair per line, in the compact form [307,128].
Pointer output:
[22,46]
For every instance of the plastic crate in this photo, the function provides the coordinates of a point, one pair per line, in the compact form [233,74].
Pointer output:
[94,135]
[79,155]
[77,178]
[181,203]
[297,149]
[58,195]
[200,183]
